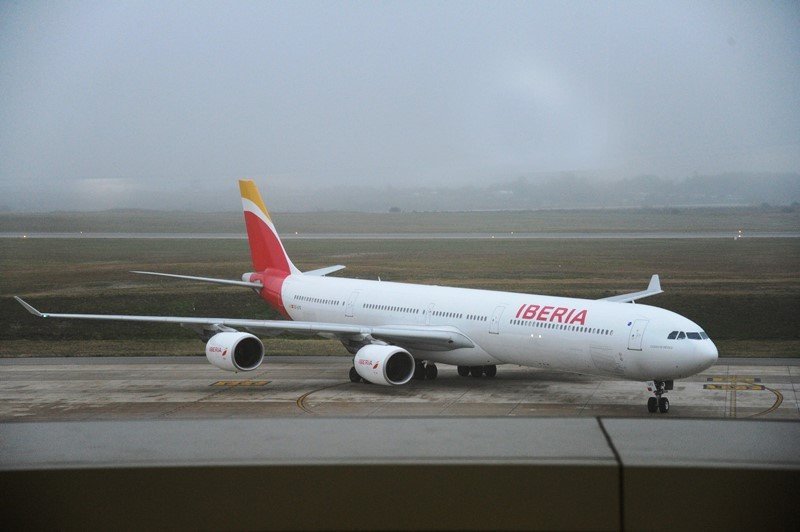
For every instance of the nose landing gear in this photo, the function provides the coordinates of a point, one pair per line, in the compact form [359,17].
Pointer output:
[658,402]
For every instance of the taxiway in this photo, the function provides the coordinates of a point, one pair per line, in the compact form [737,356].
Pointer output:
[152,388]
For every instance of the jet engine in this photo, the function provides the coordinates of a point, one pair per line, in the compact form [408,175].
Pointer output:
[384,364]
[235,351]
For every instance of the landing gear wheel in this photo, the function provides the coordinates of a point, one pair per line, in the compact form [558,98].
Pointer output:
[354,376]
[652,405]
[419,371]
[463,371]
[663,405]
[431,371]
[476,371]
[490,371]
[659,402]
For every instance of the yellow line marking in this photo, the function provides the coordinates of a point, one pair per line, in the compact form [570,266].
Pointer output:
[732,384]
[733,378]
[240,383]
[301,401]
[734,387]
[775,405]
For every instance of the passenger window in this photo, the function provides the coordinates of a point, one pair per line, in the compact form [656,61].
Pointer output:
[672,335]
[681,336]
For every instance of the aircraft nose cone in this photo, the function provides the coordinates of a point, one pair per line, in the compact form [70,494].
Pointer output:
[707,354]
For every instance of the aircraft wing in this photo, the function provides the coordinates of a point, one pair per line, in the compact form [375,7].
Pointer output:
[420,337]
[652,289]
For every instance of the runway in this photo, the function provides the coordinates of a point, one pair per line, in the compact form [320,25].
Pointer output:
[151,388]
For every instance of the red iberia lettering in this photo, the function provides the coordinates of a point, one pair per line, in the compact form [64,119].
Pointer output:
[552,314]
[530,312]
[558,313]
[580,317]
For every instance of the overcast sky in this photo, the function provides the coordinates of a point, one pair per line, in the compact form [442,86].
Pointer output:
[121,104]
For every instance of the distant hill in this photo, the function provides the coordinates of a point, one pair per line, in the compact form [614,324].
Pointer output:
[563,191]
[761,218]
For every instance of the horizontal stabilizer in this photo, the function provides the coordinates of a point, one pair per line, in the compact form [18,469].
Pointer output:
[652,289]
[325,271]
[205,279]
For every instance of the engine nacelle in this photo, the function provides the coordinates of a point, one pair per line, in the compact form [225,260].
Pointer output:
[384,364]
[235,351]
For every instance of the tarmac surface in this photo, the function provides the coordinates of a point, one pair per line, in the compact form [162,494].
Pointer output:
[159,388]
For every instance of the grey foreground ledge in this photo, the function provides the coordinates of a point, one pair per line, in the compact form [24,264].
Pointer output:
[390,473]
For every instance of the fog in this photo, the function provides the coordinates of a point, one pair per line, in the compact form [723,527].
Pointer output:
[164,104]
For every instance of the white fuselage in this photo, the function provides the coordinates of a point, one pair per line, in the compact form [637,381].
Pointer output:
[577,335]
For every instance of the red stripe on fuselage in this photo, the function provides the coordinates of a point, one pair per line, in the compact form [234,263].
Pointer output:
[272,280]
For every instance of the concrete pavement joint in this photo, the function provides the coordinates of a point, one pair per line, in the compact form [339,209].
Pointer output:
[588,400]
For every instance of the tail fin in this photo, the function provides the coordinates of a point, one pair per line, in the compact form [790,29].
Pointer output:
[266,248]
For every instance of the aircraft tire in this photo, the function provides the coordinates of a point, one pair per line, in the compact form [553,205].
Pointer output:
[476,371]
[663,405]
[652,405]
[431,371]
[463,371]
[490,371]
[354,376]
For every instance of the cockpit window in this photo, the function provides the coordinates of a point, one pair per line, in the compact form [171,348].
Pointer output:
[680,335]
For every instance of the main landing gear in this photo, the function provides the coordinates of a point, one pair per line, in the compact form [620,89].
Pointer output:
[478,371]
[425,371]
[658,402]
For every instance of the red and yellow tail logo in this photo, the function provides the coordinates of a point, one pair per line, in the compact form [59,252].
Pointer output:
[266,248]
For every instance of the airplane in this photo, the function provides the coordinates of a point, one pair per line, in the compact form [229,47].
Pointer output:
[399,331]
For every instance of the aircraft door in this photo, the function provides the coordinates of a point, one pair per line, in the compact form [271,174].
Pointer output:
[351,303]
[429,313]
[637,332]
[494,324]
